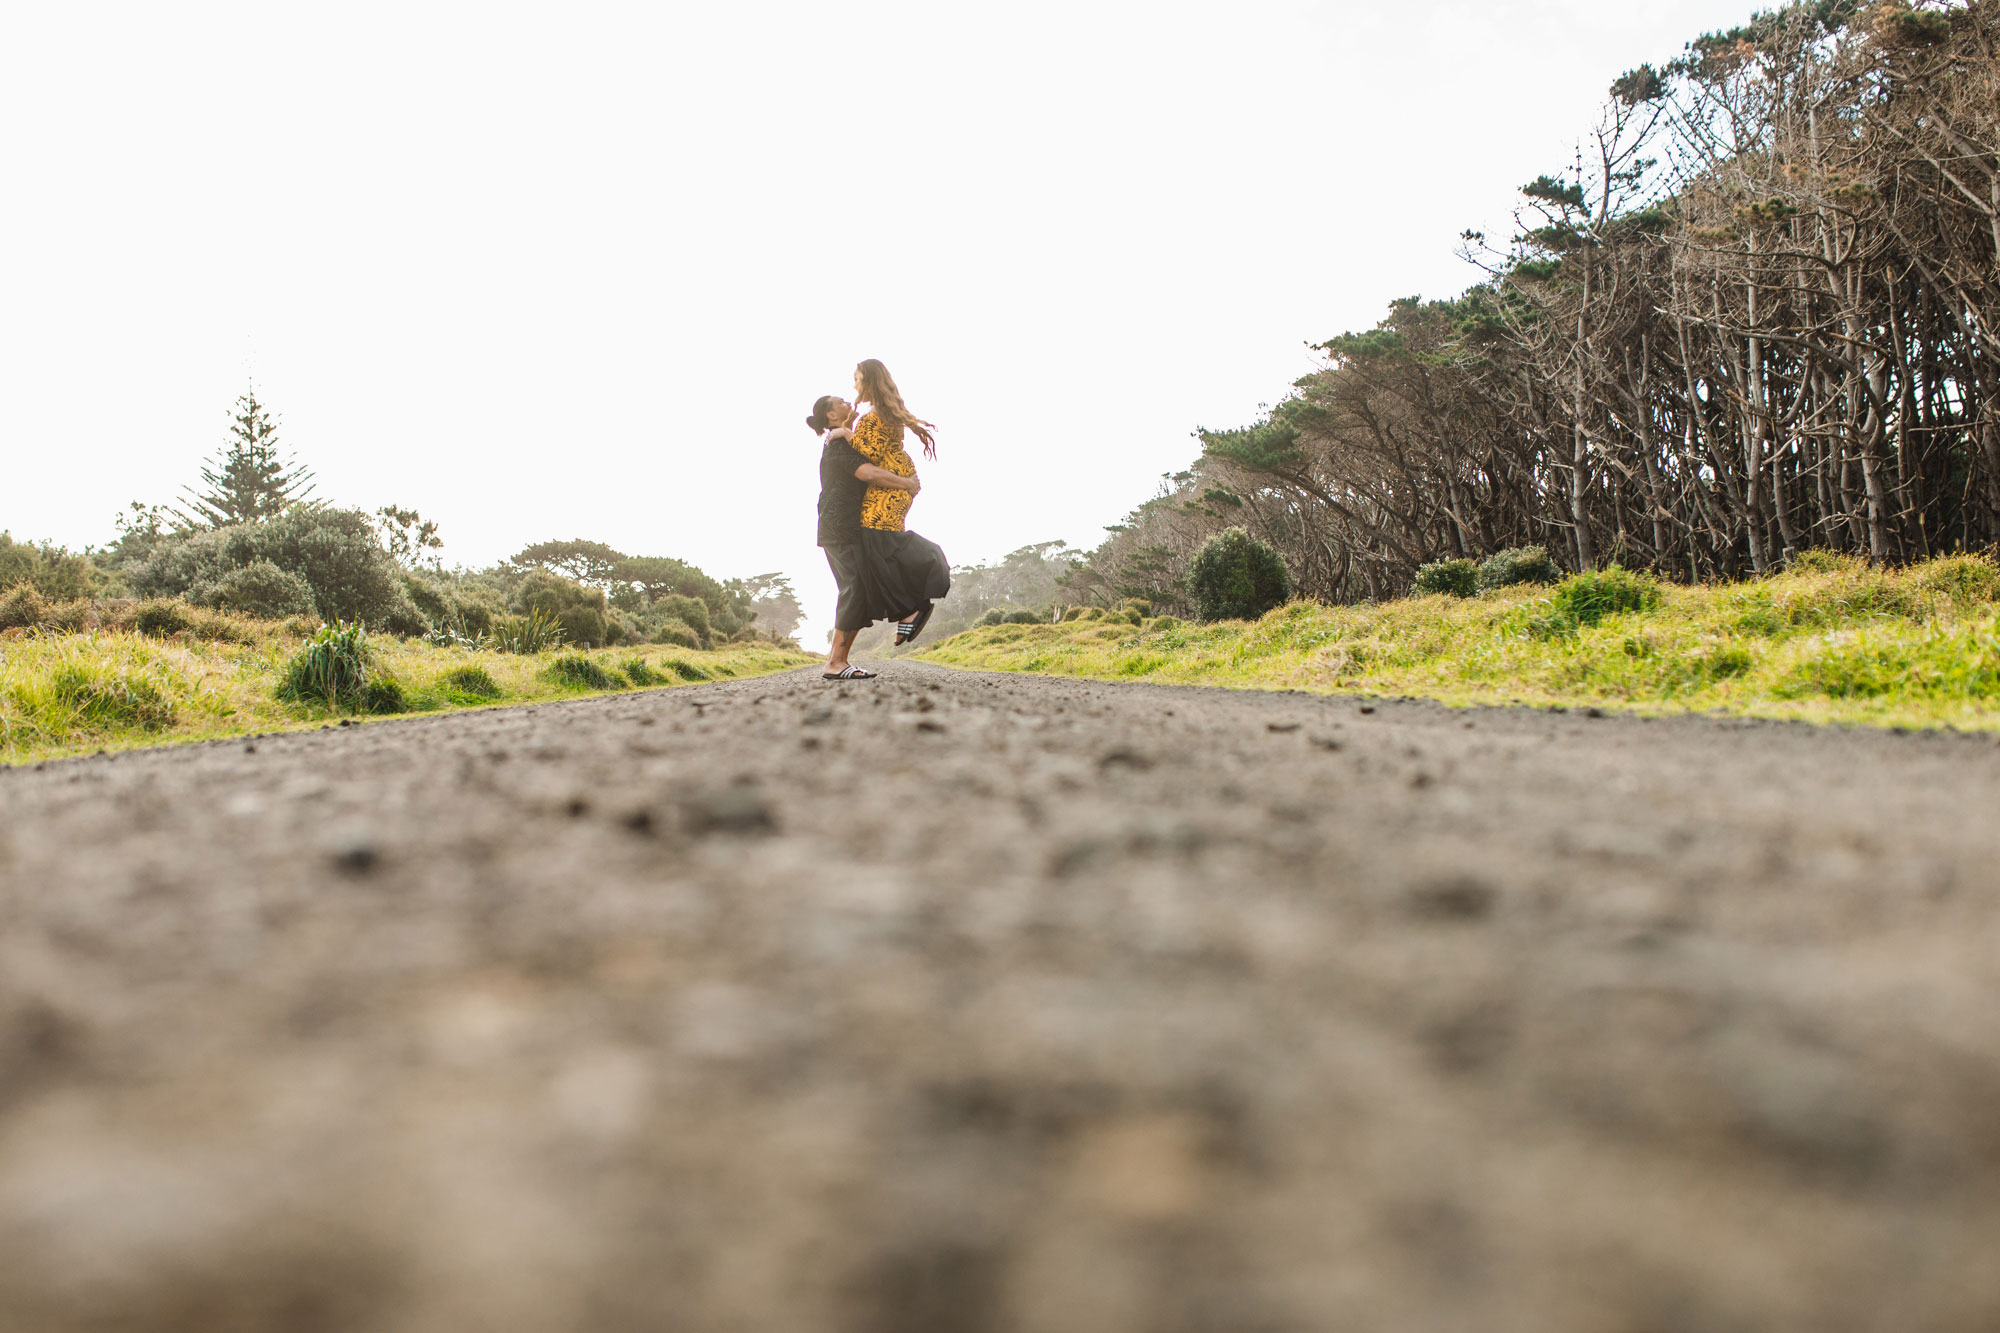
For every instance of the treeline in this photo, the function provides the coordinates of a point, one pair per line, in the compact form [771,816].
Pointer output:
[252,540]
[1758,314]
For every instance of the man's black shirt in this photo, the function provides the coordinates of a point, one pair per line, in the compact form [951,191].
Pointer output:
[840,493]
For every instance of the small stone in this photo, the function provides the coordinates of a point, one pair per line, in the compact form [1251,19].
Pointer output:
[1453,898]
[640,822]
[1326,742]
[1368,708]
[358,857]
[347,722]
[1593,712]
[1281,727]
[728,810]
[576,807]
[936,728]
[1124,758]
[816,717]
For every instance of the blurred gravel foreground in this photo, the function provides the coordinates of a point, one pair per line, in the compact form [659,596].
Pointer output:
[959,1003]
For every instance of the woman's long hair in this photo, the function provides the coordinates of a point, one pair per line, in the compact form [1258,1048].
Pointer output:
[880,390]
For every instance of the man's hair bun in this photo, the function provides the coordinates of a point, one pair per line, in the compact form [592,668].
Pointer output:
[818,418]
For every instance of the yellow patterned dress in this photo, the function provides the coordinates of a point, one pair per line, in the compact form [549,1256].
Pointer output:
[883,508]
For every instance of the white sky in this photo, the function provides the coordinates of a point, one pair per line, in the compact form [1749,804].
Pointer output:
[580,270]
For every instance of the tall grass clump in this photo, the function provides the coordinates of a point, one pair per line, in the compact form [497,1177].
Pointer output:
[476,682]
[640,672]
[330,668]
[1582,600]
[579,672]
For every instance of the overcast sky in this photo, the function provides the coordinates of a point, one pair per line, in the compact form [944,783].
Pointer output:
[580,270]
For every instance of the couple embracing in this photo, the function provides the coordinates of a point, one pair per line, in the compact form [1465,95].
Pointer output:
[866,483]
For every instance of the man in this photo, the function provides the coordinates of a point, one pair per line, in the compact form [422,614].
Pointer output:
[843,477]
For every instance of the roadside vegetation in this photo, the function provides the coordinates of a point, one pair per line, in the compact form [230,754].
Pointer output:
[1827,640]
[250,606]
[117,686]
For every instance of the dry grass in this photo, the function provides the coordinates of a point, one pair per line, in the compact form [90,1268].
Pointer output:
[1831,642]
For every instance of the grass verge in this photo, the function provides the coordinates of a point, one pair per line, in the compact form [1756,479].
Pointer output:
[73,693]
[1831,642]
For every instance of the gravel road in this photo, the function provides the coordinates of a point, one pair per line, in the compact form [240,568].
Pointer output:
[969,1003]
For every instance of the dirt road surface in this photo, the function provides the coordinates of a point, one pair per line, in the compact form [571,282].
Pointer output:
[966,1003]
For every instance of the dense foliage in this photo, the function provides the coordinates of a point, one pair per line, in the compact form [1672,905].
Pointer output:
[1236,577]
[1759,315]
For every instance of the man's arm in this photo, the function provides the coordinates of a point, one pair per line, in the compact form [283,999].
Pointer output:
[881,476]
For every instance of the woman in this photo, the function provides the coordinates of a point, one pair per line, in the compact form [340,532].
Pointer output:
[904,572]
[844,477]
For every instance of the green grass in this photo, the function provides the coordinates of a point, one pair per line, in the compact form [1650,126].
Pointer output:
[73,693]
[1832,641]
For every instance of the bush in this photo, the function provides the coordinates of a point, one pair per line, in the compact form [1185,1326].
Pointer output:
[1022,616]
[476,681]
[335,551]
[1586,598]
[678,633]
[258,589]
[24,607]
[331,668]
[1447,578]
[1137,605]
[1234,576]
[574,669]
[1520,564]
[640,672]
[51,570]
[580,612]
[164,617]
[527,634]
[691,612]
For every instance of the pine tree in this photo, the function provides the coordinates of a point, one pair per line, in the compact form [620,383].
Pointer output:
[250,480]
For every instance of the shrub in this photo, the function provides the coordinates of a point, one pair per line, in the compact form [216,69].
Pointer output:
[1138,605]
[473,680]
[686,670]
[1234,576]
[457,611]
[1447,578]
[691,612]
[24,607]
[678,633]
[258,589]
[164,617]
[1586,598]
[1520,564]
[580,612]
[332,668]
[50,569]
[578,671]
[527,634]
[335,551]
[640,672]
[1022,616]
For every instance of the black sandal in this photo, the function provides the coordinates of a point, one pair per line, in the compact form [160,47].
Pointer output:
[907,630]
[848,673]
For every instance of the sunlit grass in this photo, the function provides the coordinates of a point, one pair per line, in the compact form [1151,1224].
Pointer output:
[66,694]
[1833,642]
